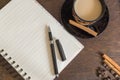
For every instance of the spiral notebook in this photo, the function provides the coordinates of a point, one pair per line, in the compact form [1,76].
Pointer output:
[24,38]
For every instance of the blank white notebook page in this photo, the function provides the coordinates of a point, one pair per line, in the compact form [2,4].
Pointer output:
[24,37]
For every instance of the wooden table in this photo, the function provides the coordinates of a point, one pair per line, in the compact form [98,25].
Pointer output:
[84,66]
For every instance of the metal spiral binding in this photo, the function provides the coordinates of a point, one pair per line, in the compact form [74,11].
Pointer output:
[14,65]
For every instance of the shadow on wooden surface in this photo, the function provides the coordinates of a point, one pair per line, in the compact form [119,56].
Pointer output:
[84,65]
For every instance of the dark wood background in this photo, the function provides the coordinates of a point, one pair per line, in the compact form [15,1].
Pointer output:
[84,66]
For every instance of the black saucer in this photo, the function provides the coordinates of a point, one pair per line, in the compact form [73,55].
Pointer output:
[66,14]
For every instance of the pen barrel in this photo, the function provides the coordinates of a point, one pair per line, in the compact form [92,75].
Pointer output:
[54,58]
[61,51]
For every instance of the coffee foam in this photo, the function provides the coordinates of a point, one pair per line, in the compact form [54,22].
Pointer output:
[88,9]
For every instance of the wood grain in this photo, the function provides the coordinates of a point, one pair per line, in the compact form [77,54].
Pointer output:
[83,67]
[3,3]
